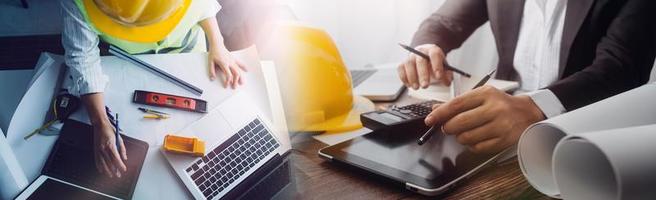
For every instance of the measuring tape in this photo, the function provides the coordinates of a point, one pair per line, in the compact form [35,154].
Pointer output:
[63,106]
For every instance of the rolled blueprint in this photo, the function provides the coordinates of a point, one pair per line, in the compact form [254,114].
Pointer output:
[636,107]
[611,164]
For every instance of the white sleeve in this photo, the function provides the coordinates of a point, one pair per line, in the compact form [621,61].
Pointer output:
[547,102]
[212,8]
[82,55]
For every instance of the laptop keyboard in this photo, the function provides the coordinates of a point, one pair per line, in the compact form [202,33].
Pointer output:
[227,162]
[358,76]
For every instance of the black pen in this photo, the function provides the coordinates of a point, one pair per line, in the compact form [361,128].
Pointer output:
[446,65]
[430,131]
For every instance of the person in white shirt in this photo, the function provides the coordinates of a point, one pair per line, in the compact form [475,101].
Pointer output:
[138,27]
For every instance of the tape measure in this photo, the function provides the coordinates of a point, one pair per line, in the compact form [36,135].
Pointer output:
[170,101]
[64,105]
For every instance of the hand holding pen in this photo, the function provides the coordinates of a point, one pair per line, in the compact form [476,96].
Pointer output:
[426,62]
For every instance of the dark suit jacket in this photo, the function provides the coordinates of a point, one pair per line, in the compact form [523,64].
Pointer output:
[607,45]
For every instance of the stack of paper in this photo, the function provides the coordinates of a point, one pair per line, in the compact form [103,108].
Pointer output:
[601,151]
[439,92]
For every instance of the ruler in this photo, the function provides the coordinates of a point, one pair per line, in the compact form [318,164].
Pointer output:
[161,73]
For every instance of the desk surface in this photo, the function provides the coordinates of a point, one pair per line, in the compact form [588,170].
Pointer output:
[318,179]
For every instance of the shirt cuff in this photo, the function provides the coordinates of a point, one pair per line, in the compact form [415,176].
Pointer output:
[90,80]
[211,9]
[547,102]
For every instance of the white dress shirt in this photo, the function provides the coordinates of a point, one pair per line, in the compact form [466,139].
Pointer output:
[538,52]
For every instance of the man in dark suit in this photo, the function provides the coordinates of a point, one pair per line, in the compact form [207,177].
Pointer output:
[565,53]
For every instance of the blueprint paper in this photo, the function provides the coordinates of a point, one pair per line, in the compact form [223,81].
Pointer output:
[537,144]
[611,164]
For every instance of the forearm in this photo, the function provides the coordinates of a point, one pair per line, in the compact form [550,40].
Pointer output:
[95,106]
[213,34]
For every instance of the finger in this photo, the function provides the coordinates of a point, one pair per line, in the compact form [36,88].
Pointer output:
[423,71]
[476,135]
[107,158]
[411,74]
[449,78]
[116,159]
[236,75]
[241,65]
[227,74]
[402,75]
[99,165]
[107,171]
[455,106]
[468,120]
[124,153]
[487,146]
[212,69]
[437,62]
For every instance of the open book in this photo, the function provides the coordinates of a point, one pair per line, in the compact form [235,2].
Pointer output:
[606,150]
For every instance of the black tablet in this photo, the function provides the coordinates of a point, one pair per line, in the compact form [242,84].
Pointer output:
[428,169]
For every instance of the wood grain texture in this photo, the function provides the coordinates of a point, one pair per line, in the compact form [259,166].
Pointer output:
[317,178]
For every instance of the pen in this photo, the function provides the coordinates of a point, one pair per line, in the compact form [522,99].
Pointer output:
[446,65]
[118,139]
[428,134]
[146,110]
[155,116]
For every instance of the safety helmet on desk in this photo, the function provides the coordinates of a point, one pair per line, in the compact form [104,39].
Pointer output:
[136,20]
[315,84]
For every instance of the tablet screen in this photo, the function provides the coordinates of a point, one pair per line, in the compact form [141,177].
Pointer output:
[52,189]
[438,161]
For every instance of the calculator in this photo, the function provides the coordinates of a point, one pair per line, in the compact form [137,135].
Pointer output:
[409,116]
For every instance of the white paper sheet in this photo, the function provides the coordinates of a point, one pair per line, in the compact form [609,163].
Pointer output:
[12,178]
[537,144]
[443,93]
[611,164]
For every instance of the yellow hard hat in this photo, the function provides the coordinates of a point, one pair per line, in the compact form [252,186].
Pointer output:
[315,83]
[136,20]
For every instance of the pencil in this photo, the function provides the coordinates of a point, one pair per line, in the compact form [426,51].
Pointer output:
[446,65]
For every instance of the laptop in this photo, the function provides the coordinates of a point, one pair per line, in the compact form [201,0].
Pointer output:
[379,84]
[70,171]
[239,145]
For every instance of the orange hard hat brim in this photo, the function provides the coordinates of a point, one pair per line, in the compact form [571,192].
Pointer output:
[148,33]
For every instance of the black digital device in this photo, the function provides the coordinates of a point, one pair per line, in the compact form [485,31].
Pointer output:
[428,169]
[404,117]
[71,169]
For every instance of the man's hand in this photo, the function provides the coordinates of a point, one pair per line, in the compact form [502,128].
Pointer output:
[486,119]
[220,59]
[417,72]
[108,160]
[219,56]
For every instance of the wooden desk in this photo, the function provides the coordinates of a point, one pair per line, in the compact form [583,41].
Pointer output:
[318,179]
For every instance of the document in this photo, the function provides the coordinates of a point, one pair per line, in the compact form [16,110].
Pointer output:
[437,91]
[12,177]
[601,151]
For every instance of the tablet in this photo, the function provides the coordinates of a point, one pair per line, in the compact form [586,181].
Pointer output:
[48,188]
[428,169]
